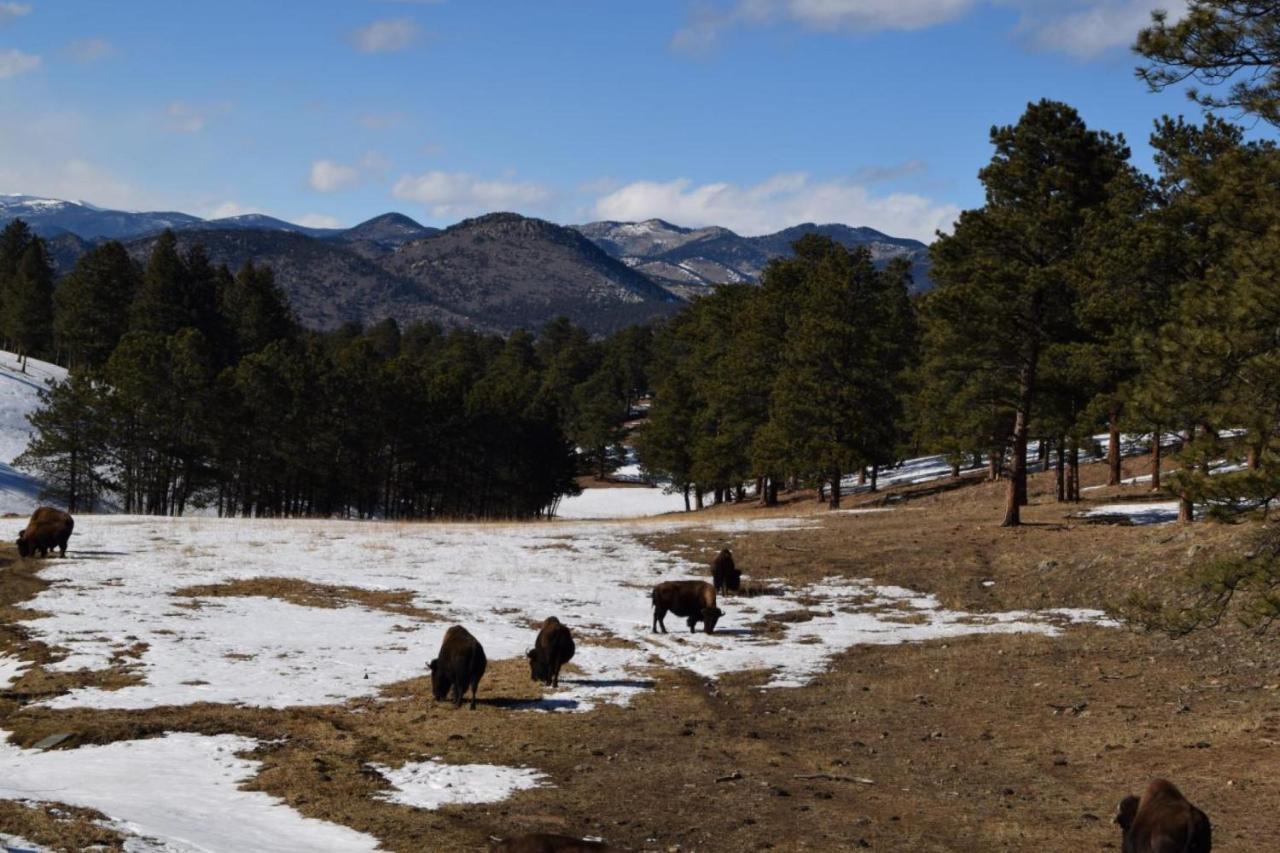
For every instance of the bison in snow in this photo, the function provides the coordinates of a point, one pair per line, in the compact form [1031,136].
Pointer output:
[695,600]
[552,650]
[459,666]
[48,528]
[724,574]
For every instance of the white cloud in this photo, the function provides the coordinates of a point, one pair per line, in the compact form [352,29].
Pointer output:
[319,220]
[10,11]
[786,199]
[185,118]
[90,49]
[1087,32]
[225,210]
[708,22]
[1081,28]
[15,62]
[385,36]
[451,194]
[328,176]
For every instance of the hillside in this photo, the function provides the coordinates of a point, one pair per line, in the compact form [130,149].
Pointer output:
[19,397]
[687,260]
[515,271]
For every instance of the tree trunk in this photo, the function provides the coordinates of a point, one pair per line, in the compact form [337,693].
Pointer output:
[1073,480]
[875,477]
[862,476]
[1186,510]
[1060,480]
[740,494]
[955,470]
[1017,492]
[835,491]
[697,497]
[772,489]
[1155,459]
[686,499]
[1113,449]
[994,464]
[822,491]
[1254,457]
[760,490]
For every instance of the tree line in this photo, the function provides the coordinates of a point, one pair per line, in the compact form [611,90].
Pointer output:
[190,386]
[1082,296]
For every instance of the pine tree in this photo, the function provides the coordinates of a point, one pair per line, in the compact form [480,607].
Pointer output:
[162,304]
[28,303]
[257,310]
[68,450]
[91,305]
[1005,276]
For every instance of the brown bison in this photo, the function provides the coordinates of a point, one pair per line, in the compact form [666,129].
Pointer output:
[459,666]
[542,842]
[724,574]
[552,650]
[693,599]
[1162,821]
[48,528]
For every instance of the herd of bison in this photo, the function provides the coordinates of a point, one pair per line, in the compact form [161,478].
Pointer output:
[1161,820]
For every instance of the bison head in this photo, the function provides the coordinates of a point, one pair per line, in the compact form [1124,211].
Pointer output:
[440,683]
[1126,812]
[538,667]
[710,616]
[24,547]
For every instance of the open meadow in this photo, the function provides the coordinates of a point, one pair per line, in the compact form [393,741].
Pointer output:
[908,675]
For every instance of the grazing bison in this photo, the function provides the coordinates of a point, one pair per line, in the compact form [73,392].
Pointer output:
[552,650]
[48,528]
[542,842]
[459,666]
[693,599]
[1162,821]
[724,574]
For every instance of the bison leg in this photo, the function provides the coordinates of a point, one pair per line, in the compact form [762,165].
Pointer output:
[659,619]
[475,685]
[693,624]
[555,675]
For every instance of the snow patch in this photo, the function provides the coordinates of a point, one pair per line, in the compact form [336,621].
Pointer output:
[178,793]
[432,784]
[10,669]
[1161,512]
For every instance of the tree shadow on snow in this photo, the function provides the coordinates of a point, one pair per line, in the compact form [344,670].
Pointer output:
[606,683]
[531,704]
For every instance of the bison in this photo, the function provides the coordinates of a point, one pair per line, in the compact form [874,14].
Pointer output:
[693,599]
[552,650]
[48,528]
[542,842]
[459,666]
[724,574]
[1162,821]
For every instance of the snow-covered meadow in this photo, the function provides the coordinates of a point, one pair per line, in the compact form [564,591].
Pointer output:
[19,397]
[121,588]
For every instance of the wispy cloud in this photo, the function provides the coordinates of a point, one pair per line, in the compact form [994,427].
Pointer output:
[14,63]
[385,36]
[783,200]
[452,194]
[184,117]
[11,11]
[328,176]
[1081,28]
[319,220]
[90,49]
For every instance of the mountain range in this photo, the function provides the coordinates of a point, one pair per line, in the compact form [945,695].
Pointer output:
[496,272]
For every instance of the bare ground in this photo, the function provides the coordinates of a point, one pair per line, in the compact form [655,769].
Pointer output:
[990,743]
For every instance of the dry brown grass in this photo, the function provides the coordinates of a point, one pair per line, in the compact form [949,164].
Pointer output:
[989,743]
[307,594]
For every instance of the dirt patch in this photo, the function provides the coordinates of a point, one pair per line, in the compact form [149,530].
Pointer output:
[307,594]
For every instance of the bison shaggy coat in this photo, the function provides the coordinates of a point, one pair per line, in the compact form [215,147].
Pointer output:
[695,600]
[48,528]
[552,650]
[543,842]
[724,574]
[1162,821]
[459,666]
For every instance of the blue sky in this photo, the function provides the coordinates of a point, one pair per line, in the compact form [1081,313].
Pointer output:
[755,114]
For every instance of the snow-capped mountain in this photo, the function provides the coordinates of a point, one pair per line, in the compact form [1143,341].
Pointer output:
[687,260]
[50,217]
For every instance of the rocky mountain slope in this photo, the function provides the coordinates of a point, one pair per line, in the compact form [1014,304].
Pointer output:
[688,260]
